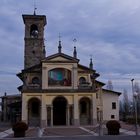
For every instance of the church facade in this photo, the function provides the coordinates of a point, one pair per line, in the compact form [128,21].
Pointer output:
[57,89]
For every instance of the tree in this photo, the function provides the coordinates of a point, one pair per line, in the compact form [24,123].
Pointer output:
[136,87]
[109,85]
[121,109]
[137,90]
[126,105]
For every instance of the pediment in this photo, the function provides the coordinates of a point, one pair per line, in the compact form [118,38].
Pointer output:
[60,57]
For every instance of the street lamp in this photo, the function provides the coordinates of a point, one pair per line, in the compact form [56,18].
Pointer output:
[135,107]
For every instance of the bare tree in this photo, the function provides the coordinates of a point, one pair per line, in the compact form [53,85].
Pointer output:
[109,85]
[136,87]
[137,90]
[121,110]
[126,105]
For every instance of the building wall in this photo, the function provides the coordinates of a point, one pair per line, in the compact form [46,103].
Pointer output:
[108,98]
[70,66]
[47,100]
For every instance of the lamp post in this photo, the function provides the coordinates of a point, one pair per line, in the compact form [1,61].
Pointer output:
[135,107]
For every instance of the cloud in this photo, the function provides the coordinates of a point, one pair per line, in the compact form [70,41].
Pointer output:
[106,29]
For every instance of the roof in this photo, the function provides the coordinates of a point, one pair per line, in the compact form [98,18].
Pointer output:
[31,69]
[11,96]
[15,104]
[111,91]
[35,67]
[100,82]
[35,17]
[85,68]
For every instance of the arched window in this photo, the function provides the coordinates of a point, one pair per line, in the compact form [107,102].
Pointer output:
[35,80]
[59,77]
[34,31]
[82,80]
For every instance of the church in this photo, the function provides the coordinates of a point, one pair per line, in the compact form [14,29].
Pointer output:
[57,90]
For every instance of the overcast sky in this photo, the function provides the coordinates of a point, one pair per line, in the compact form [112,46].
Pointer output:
[109,30]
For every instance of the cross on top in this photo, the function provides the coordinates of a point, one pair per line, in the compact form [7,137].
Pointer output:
[35,8]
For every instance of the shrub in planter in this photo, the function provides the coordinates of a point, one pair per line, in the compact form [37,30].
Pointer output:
[19,129]
[113,127]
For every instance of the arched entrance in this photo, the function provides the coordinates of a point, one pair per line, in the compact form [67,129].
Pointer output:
[59,111]
[85,111]
[34,112]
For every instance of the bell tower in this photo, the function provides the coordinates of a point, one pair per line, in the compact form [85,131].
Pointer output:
[34,50]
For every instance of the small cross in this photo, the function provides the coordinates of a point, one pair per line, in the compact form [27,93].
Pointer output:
[74,40]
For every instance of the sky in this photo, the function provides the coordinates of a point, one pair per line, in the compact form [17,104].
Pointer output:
[107,30]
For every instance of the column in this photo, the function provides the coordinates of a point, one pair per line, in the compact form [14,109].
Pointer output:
[94,109]
[76,110]
[44,78]
[68,115]
[51,115]
[74,76]
[24,109]
[43,112]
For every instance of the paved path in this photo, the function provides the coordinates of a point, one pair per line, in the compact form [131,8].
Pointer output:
[6,133]
[84,138]
[68,131]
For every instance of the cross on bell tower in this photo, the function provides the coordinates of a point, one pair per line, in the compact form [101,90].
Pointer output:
[34,39]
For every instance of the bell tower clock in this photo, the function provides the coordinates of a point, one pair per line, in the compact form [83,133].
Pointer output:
[34,50]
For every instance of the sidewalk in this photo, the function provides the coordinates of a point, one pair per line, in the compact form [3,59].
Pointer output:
[6,133]
[126,130]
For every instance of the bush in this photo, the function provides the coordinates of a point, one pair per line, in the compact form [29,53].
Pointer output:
[19,129]
[113,127]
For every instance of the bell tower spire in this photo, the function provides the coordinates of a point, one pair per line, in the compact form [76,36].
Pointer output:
[34,39]
[91,64]
[75,51]
[59,46]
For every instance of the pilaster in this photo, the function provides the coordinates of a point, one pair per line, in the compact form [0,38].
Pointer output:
[94,109]
[43,112]
[76,110]
[44,78]
[24,109]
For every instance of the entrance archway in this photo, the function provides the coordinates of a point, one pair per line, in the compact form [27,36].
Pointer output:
[59,111]
[85,111]
[34,112]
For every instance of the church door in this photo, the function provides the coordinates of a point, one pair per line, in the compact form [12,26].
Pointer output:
[59,111]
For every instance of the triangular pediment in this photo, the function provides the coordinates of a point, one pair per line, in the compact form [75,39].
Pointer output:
[60,57]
